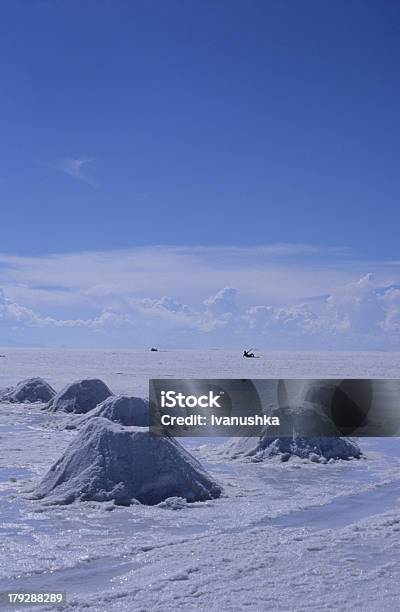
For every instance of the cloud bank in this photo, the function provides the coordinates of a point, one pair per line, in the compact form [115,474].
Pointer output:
[278,296]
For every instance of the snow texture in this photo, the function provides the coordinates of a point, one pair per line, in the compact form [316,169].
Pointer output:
[122,409]
[29,391]
[80,396]
[107,461]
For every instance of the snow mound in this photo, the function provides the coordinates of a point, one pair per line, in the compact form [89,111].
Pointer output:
[29,391]
[80,396]
[107,461]
[122,409]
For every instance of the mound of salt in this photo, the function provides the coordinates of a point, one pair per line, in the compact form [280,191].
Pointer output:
[307,431]
[80,396]
[311,424]
[315,449]
[122,409]
[29,391]
[107,461]
[4,392]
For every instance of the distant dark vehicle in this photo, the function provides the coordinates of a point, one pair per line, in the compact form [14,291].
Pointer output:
[248,354]
[154,350]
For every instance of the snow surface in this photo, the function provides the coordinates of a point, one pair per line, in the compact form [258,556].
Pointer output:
[283,536]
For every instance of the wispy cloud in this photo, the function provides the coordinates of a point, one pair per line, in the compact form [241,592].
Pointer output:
[80,168]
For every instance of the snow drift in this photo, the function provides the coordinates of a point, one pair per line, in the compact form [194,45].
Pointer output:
[29,391]
[107,461]
[80,396]
[122,409]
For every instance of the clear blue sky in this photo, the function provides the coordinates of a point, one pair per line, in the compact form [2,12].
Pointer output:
[213,122]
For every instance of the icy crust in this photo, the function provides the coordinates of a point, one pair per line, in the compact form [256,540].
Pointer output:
[122,409]
[107,461]
[80,396]
[29,391]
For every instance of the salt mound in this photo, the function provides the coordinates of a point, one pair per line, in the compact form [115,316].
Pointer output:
[307,429]
[107,461]
[80,396]
[4,392]
[122,409]
[315,449]
[29,391]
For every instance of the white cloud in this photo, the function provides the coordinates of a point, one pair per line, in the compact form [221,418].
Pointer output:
[14,314]
[293,319]
[189,274]
[358,307]
[222,304]
[173,295]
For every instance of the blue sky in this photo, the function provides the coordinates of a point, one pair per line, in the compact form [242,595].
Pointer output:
[266,133]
